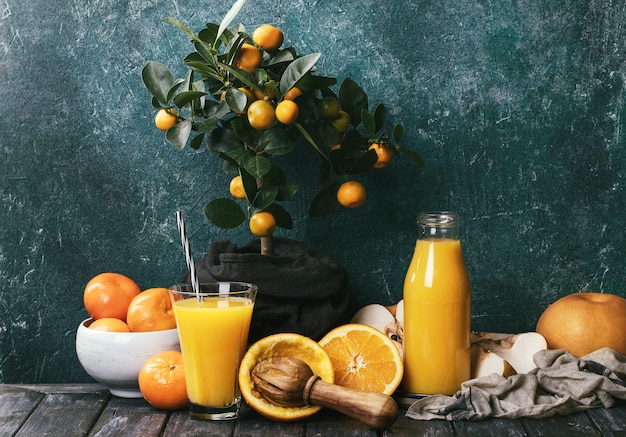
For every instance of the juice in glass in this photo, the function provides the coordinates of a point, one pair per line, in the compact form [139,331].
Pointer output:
[437,297]
[213,333]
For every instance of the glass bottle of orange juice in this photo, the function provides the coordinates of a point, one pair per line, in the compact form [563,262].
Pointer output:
[437,297]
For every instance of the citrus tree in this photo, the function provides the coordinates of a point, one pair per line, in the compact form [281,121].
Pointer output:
[249,100]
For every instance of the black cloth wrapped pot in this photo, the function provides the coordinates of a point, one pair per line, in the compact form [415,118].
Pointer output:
[301,290]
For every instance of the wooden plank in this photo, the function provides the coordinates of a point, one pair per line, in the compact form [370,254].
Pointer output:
[64,414]
[406,427]
[331,423]
[611,421]
[63,388]
[252,424]
[490,428]
[129,417]
[181,425]
[577,424]
[16,404]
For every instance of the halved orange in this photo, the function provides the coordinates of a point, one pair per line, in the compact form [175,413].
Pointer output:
[282,345]
[364,358]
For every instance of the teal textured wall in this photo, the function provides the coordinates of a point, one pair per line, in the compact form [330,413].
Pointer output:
[516,106]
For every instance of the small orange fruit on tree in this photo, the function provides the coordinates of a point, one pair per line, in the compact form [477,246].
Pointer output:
[236,188]
[261,114]
[162,381]
[165,119]
[383,153]
[248,58]
[293,93]
[351,194]
[262,224]
[268,37]
[227,61]
[287,111]
[109,294]
[151,310]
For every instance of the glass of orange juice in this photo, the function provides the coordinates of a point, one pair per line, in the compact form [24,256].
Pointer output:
[213,327]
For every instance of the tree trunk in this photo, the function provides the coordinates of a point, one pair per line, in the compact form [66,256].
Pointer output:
[267,246]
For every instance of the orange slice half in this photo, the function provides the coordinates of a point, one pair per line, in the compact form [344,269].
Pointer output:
[282,345]
[364,358]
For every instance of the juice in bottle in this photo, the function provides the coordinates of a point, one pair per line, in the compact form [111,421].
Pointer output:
[437,297]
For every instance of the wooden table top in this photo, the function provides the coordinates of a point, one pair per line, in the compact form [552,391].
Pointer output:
[90,410]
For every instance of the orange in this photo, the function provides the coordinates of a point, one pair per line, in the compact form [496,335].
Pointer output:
[384,154]
[262,224]
[248,58]
[166,119]
[109,294]
[236,188]
[364,358]
[342,122]
[335,147]
[328,107]
[261,115]
[151,310]
[293,93]
[283,345]
[162,381]
[351,194]
[287,111]
[109,324]
[268,91]
[268,37]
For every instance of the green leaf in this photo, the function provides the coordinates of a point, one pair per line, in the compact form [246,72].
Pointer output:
[313,82]
[158,80]
[185,97]
[207,53]
[380,116]
[296,70]
[363,163]
[196,142]
[325,200]
[222,140]
[265,196]
[276,141]
[249,183]
[229,17]
[236,99]
[209,33]
[353,99]
[286,192]
[257,166]
[283,219]
[398,131]
[368,122]
[224,213]
[178,134]
[243,76]
[175,85]
[182,27]
[415,157]
[275,177]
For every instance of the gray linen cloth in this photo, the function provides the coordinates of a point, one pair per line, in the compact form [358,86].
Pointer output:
[561,384]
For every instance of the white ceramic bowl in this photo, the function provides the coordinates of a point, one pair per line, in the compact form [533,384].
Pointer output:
[115,358]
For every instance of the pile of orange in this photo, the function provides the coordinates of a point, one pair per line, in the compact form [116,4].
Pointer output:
[117,304]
